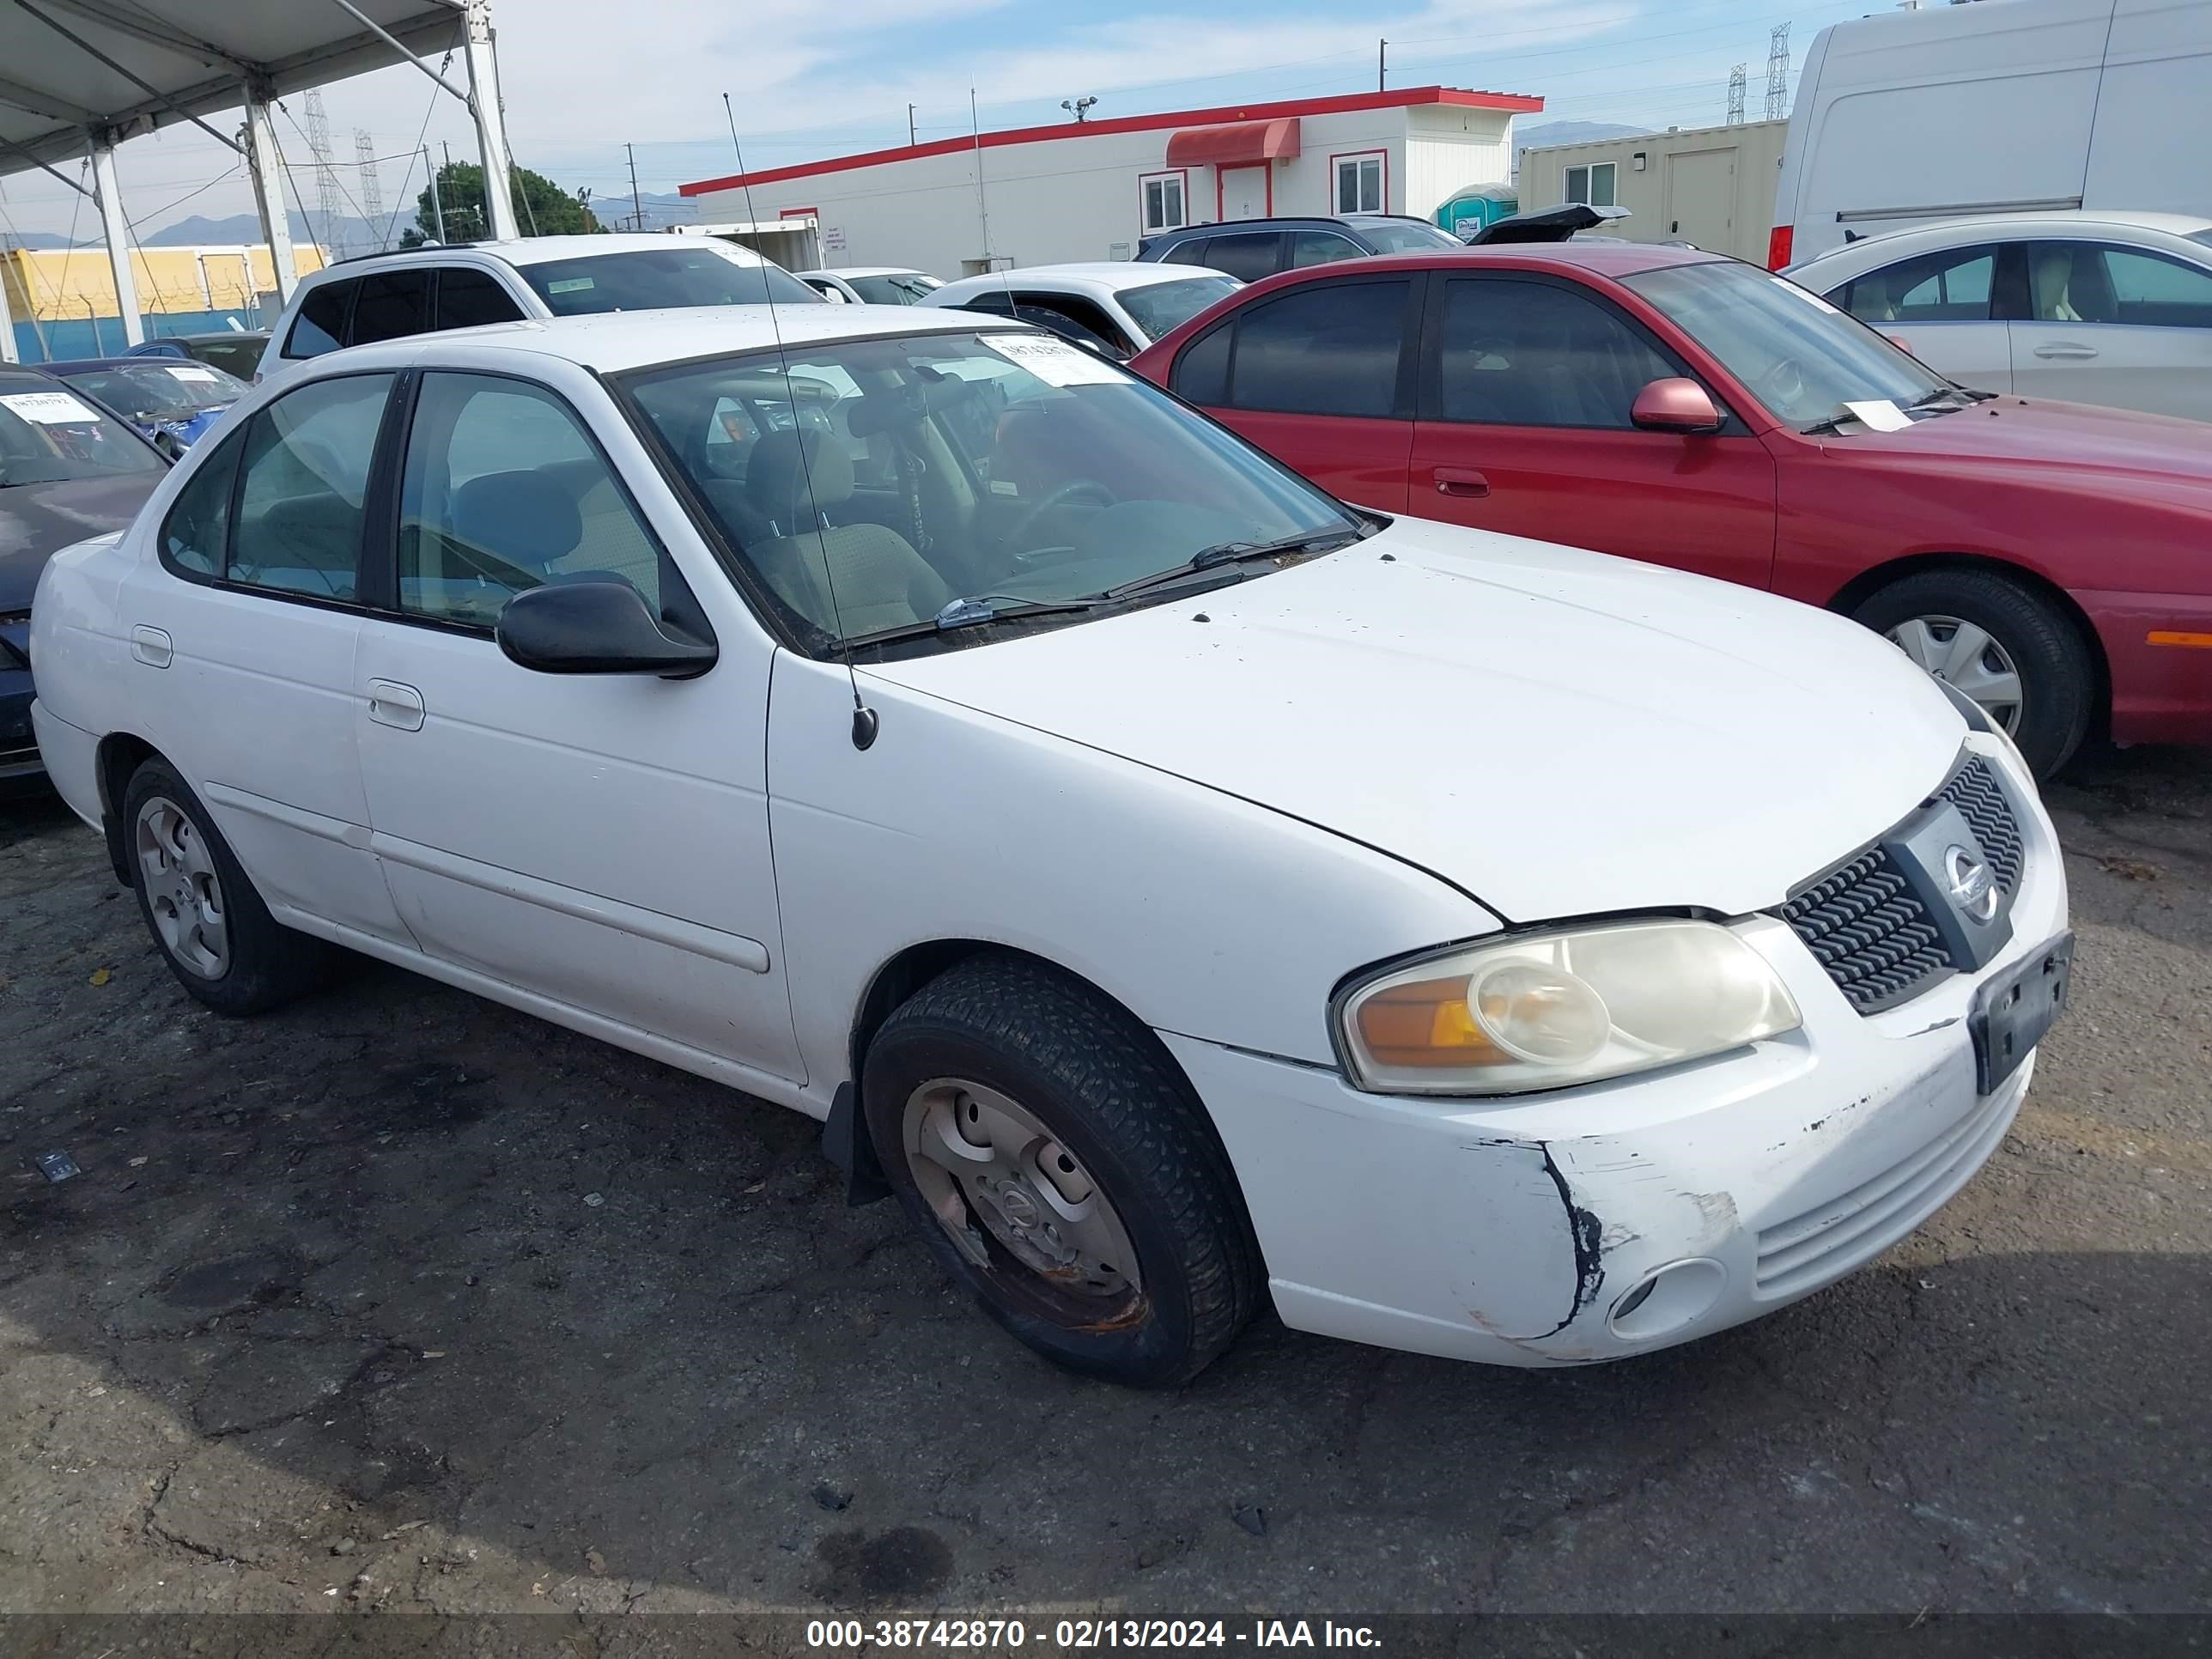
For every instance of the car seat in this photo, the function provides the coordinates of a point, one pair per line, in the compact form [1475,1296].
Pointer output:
[845,578]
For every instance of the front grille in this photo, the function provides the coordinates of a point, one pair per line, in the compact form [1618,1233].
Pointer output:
[1973,790]
[1869,931]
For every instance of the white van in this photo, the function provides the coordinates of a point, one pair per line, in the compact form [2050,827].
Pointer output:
[1996,106]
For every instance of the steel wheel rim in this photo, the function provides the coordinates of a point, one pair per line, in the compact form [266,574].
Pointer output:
[1968,658]
[1016,1202]
[184,894]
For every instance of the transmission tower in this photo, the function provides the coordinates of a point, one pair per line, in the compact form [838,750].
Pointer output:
[371,187]
[327,198]
[1777,72]
[1735,94]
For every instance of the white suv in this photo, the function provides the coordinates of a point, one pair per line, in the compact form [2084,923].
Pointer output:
[385,296]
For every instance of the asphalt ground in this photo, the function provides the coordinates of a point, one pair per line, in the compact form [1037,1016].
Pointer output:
[397,1300]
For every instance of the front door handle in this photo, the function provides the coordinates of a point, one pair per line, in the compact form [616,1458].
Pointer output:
[390,703]
[2065,349]
[151,646]
[1460,481]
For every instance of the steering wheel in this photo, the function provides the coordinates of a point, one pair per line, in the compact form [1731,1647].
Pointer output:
[1067,494]
[1784,384]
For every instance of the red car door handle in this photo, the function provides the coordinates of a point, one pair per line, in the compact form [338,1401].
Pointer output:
[1460,481]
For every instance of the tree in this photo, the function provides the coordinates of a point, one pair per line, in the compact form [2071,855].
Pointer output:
[542,206]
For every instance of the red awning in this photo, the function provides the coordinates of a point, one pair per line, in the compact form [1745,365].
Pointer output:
[1241,143]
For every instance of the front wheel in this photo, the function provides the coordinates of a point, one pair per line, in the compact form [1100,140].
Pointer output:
[1061,1169]
[2009,649]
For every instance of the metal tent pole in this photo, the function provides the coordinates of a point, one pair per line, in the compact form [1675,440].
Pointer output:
[268,171]
[491,123]
[115,230]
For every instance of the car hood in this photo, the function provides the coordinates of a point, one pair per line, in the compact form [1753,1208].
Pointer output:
[1555,732]
[37,521]
[2161,455]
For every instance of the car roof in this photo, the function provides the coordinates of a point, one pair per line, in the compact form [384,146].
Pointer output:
[533,251]
[614,341]
[1621,258]
[862,270]
[97,363]
[1100,278]
[2006,226]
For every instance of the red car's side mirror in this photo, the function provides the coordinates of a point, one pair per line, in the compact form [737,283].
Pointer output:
[1675,405]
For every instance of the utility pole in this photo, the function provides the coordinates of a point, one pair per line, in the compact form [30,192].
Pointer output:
[437,208]
[636,202]
[910,140]
[1777,72]
[372,185]
[1381,66]
[1735,94]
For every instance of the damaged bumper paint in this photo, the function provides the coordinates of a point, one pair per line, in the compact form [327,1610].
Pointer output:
[1596,1222]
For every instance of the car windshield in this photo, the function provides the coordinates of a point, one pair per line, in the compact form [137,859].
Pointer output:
[48,434]
[1409,237]
[1796,353]
[653,279]
[152,390]
[1162,307]
[238,354]
[907,288]
[869,484]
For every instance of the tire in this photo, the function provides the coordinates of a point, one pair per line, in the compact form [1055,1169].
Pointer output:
[260,965]
[2056,672]
[1116,1116]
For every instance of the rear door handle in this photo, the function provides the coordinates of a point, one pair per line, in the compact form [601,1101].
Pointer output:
[151,646]
[390,703]
[1460,481]
[2065,348]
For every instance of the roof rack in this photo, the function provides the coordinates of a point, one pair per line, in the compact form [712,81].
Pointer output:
[419,248]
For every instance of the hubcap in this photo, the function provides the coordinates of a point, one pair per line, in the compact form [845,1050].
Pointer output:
[1966,658]
[992,1174]
[182,889]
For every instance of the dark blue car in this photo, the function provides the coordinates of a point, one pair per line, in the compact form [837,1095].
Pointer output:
[173,401]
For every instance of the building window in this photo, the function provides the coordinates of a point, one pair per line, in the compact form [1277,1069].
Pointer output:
[1591,186]
[1359,183]
[1166,202]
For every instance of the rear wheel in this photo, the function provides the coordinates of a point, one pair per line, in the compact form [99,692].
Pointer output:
[1061,1169]
[216,935]
[2011,651]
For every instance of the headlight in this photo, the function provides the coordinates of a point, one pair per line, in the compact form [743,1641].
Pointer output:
[1543,1010]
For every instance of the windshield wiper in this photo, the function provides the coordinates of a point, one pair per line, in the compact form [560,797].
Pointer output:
[1228,553]
[1944,399]
[971,612]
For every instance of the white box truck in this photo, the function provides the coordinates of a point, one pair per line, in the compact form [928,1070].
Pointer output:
[1996,106]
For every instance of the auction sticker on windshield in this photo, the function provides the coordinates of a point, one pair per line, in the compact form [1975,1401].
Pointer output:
[1054,361]
[48,408]
[198,376]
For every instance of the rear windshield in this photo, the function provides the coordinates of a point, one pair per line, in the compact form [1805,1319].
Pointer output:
[907,288]
[1407,237]
[652,280]
[150,390]
[1162,307]
[48,434]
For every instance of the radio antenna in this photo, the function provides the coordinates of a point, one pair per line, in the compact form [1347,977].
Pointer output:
[865,723]
[982,207]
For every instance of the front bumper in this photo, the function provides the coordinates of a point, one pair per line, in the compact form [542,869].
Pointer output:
[1511,1230]
[20,765]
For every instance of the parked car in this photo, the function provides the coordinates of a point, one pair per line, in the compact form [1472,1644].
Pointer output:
[1088,825]
[1690,410]
[68,470]
[384,296]
[2095,307]
[1114,307]
[1248,249]
[170,402]
[1904,117]
[872,285]
[236,352]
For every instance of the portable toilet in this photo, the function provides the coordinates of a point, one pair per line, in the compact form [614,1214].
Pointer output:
[1476,207]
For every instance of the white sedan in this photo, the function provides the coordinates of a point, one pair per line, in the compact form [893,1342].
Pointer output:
[1178,888]
[872,285]
[1116,308]
[2088,307]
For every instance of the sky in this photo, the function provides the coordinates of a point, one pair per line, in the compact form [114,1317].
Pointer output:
[813,78]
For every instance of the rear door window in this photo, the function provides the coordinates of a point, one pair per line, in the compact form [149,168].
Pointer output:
[1248,255]
[321,324]
[301,502]
[1191,251]
[393,304]
[1330,348]
[1953,286]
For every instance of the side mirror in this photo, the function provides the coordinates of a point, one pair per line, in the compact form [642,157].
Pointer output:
[1675,405]
[596,628]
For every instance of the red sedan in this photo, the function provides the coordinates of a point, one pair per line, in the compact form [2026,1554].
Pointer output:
[2052,560]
